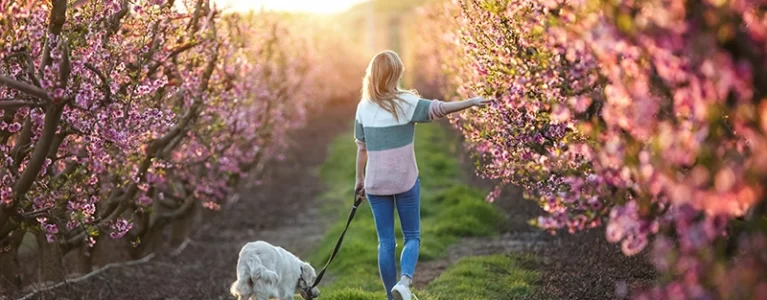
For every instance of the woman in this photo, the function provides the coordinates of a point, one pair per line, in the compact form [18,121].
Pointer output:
[386,166]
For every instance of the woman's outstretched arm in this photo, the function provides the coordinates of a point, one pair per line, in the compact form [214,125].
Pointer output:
[456,106]
[429,110]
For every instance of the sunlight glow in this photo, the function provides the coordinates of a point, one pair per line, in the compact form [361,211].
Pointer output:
[310,6]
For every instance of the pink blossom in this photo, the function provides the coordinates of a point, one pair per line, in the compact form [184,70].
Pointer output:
[14,127]
[120,228]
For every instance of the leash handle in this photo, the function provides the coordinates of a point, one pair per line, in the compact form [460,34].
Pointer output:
[358,197]
[357,201]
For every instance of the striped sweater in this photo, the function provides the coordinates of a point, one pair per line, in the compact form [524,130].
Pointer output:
[391,166]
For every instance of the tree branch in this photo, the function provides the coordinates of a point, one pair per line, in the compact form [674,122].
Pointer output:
[14,104]
[188,203]
[79,238]
[35,213]
[165,202]
[172,54]
[22,141]
[65,67]
[159,143]
[113,22]
[31,69]
[58,16]
[24,183]
[57,143]
[55,23]
[24,87]
[104,82]
[193,23]
[6,229]
[5,215]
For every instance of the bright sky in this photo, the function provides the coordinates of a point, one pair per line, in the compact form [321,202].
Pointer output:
[312,6]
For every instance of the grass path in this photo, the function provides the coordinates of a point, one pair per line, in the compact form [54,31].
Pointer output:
[498,276]
[450,211]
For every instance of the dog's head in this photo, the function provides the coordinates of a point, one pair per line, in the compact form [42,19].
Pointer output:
[308,275]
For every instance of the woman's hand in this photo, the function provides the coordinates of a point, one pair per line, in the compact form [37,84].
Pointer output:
[359,185]
[481,102]
[456,106]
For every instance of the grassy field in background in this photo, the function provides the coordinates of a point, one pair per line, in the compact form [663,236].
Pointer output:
[450,210]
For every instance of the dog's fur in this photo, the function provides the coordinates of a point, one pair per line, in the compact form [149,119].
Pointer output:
[265,271]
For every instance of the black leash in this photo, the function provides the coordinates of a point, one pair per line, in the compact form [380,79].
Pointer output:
[357,201]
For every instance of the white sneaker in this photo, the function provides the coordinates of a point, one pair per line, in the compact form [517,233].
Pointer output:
[401,292]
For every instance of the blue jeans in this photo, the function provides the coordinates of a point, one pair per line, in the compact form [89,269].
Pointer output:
[409,209]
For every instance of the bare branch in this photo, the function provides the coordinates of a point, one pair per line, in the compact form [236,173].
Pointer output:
[13,104]
[35,213]
[24,87]
[96,272]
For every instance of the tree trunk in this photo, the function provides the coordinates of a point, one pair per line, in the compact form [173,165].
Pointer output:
[51,264]
[11,278]
[79,261]
[185,225]
[150,242]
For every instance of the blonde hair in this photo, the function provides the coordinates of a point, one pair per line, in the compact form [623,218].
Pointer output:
[381,82]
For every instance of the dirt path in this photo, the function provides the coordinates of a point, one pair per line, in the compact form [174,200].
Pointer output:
[281,210]
[580,266]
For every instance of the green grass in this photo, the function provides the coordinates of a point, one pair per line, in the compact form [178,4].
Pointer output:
[449,210]
[483,277]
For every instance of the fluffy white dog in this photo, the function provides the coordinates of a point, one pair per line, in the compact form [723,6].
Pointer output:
[267,272]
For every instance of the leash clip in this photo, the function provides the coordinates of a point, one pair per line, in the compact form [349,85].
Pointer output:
[308,293]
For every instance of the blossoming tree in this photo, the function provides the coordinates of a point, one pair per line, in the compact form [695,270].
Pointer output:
[644,115]
[118,117]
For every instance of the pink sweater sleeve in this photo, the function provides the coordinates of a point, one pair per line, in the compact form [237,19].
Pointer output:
[437,110]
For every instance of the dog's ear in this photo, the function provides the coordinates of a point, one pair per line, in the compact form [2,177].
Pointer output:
[307,271]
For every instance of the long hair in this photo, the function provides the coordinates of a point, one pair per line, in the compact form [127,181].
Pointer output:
[382,77]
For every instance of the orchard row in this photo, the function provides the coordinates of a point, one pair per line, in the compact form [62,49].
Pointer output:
[118,117]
